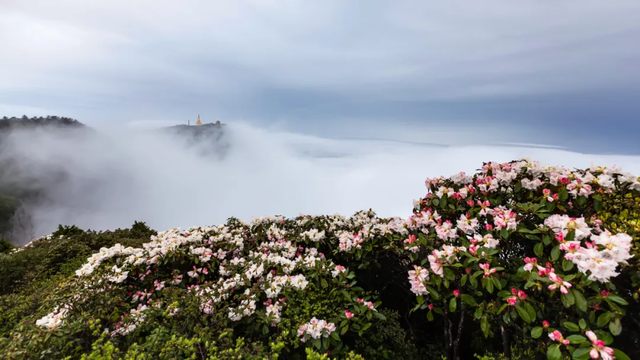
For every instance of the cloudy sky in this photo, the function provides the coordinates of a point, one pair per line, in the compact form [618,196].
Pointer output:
[559,73]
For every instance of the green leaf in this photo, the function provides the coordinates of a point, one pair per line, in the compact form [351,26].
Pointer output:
[506,318]
[604,319]
[553,353]
[568,299]
[325,343]
[530,310]
[474,282]
[581,302]
[523,314]
[617,299]
[344,330]
[571,326]
[536,332]
[448,274]
[430,316]
[615,327]
[317,343]
[463,281]
[583,324]
[380,316]
[489,285]
[555,253]
[576,339]
[469,300]
[478,314]
[484,325]
[563,194]
[324,284]
[581,353]
[497,282]
[434,294]
[567,265]
[335,336]
[597,204]
[581,200]
[619,355]
[538,249]
[551,206]
[453,304]
[604,336]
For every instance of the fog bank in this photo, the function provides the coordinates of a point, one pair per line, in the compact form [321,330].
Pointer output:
[113,179]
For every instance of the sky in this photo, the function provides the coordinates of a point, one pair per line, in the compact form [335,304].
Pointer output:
[561,73]
[332,106]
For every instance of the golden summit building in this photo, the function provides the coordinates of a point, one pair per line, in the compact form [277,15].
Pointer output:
[199,122]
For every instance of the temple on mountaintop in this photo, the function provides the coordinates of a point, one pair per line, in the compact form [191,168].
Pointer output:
[199,122]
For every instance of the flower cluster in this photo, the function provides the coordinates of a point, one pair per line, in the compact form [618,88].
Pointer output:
[230,272]
[55,318]
[315,329]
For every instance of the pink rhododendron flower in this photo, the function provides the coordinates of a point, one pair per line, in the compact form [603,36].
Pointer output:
[557,336]
[487,270]
[348,314]
[530,263]
[559,283]
[599,350]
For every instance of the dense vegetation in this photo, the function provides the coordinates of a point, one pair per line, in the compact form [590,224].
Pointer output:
[518,261]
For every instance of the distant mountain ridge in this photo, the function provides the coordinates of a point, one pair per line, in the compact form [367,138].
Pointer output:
[25,122]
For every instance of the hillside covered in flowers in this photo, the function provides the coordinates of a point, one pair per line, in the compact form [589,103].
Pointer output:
[518,261]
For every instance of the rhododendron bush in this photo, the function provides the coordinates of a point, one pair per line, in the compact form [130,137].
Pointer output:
[536,256]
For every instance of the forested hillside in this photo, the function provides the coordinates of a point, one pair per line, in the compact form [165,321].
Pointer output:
[15,188]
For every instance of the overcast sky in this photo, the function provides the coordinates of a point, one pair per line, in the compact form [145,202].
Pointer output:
[548,72]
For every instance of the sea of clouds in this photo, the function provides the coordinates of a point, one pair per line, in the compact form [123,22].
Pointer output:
[118,177]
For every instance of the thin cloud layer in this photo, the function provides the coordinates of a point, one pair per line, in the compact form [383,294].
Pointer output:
[124,177]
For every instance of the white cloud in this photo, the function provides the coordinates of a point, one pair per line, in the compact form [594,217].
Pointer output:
[165,182]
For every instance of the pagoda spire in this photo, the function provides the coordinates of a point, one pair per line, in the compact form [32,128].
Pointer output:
[198,122]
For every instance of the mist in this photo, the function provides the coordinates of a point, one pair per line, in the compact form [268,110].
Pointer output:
[105,180]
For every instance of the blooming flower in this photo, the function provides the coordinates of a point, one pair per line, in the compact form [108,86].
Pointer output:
[348,314]
[559,283]
[486,268]
[315,329]
[557,336]
[599,350]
